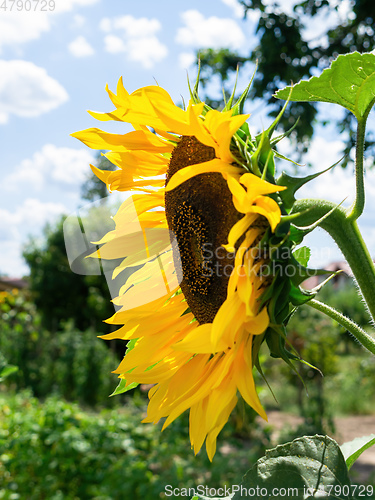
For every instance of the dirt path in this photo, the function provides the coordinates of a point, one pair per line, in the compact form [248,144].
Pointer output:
[347,428]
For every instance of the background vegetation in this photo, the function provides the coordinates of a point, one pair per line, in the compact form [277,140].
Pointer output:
[63,437]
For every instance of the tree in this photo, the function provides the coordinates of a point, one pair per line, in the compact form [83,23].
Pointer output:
[60,294]
[285,55]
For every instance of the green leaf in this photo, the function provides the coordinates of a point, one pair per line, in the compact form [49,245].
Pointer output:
[353,449]
[350,82]
[307,464]
[6,371]
[120,389]
[302,255]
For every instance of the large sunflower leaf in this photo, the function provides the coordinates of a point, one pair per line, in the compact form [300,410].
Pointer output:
[313,467]
[353,449]
[350,82]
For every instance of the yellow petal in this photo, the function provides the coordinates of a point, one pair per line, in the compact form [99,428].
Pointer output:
[227,323]
[268,208]
[245,381]
[198,341]
[137,140]
[256,186]
[221,421]
[259,323]
[238,230]
[186,173]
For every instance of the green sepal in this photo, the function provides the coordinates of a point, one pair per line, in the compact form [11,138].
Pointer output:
[276,338]
[285,158]
[257,342]
[276,344]
[298,233]
[244,132]
[292,184]
[273,125]
[278,138]
[296,215]
[321,285]
[298,296]
[282,228]
[194,91]
[237,109]
[302,273]
[121,388]
[264,154]
[277,295]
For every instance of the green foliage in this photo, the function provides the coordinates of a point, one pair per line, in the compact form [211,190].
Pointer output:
[351,390]
[58,451]
[343,383]
[60,294]
[74,364]
[299,465]
[285,54]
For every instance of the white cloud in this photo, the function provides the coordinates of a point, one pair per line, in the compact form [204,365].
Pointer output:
[186,59]
[29,218]
[105,24]
[213,32]
[238,10]
[78,21]
[31,215]
[135,37]
[68,5]
[3,118]
[18,27]
[337,184]
[146,50]
[12,263]
[80,47]
[137,27]
[21,27]
[27,90]
[65,166]
[114,44]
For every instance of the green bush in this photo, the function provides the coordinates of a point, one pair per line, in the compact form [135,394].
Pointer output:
[57,451]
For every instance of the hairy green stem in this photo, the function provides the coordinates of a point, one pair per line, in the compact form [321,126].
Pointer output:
[348,238]
[364,338]
[357,208]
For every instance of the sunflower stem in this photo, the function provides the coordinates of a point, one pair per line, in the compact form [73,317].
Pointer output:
[357,208]
[364,338]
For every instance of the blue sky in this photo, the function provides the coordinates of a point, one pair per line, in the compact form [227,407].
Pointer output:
[54,66]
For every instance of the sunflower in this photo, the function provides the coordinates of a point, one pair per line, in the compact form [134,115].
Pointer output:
[194,172]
